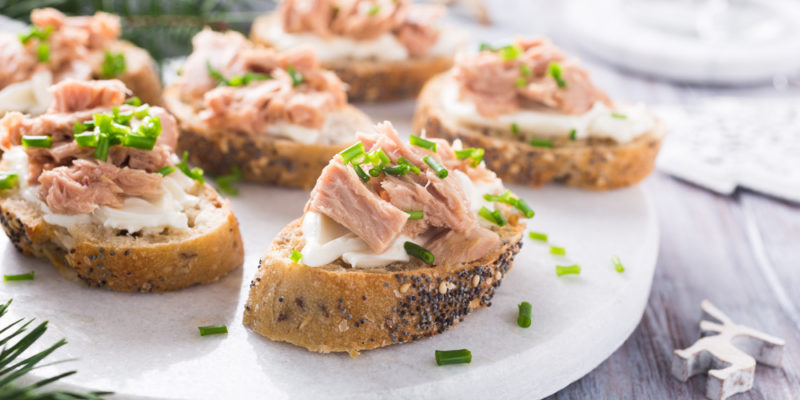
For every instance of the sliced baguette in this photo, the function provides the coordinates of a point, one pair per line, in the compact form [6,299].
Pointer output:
[102,257]
[337,308]
[598,164]
[265,158]
[370,80]
[141,74]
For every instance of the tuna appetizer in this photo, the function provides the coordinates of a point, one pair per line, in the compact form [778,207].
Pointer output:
[399,241]
[540,118]
[57,47]
[94,186]
[383,49]
[276,116]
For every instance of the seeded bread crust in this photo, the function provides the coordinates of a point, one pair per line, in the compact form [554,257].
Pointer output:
[146,263]
[371,80]
[264,158]
[597,164]
[336,308]
[141,74]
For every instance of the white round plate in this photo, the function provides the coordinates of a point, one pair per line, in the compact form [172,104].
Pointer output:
[147,345]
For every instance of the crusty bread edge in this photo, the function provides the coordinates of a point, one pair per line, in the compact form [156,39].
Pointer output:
[599,165]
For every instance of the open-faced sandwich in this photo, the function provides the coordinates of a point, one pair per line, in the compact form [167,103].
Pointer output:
[278,116]
[540,118]
[398,242]
[94,186]
[383,49]
[58,47]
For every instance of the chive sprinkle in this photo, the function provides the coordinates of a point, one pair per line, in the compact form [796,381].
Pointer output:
[440,170]
[43,52]
[420,142]
[446,357]
[558,251]
[166,170]
[510,52]
[216,74]
[296,256]
[360,172]
[492,216]
[618,264]
[352,152]
[514,128]
[374,10]
[35,32]
[538,236]
[509,198]
[225,182]
[212,330]
[521,82]
[101,151]
[20,277]
[113,65]
[573,134]
[568,269]
[619,116]
[525,70]
[474,154]
[37,141]
[486,46]
[415,214]
[413,168]
[554,70]
[524,318]
[194,173]
[541,143]
[397,170]
[297,77]
[8,180]
[418,251]
[134,101]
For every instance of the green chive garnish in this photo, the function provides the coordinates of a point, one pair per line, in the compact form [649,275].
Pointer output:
[297,78]
[397,170]
[415,214]
[524,319]
[559,251]
[225,182]
[538,236]
[101,151]
[244,80]
[296,256]
[510,52]
[573,134]
[413,168]
[20,277]
[554,70]
[541,143]
[441,172]
[352,152]
[8,180]
[619,116]
[474,154]
[139,142]
[43,52]
[617,264]
[486,46]
[166,170]
[418,251]
[445,357]
[134,101]
[374,10]
[35,32]
[568,269]
[420,142]
[521,82]
[360,172]
[194,173]
[212,330]
[492,216]
[509,198]
[221,80]
[113,65]
[150,126]
[525,70]
[88,139]
[514,128]
[37,141]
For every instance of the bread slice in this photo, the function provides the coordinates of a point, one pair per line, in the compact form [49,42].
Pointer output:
[588,163]
[141,73]
[101,257]
[370,80]
[337,308]
[265,158]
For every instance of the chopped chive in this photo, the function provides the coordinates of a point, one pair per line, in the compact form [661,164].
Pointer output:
[139,142]
[216,74]
[559,251]
[88,139]
[37,141]
[413,168]
[43,52]
[134,101]
[523,206]
[101,150]
[492,216]
[510,52]
[8,180]
[475,154]
[194,173]
[244,80]
[521,82]
[514,128]
[509,198]
[150,126]
[81,127]
[418,251]
[619,116]
[374,10]
[525,70]
[20,277]
[360,172]
[499,218]
[618,264]
[420,142]
[524,318]
[538,236]
[573,134]
[225,182]
[212,330]
[352,152]
[486,46]
[441,172]
[415,214]
[297,77]
[554,70]
[113,65]
[446,357]
[166,170]
[541,143]
[568,269]
[397,170]
[36,32]
[296,256]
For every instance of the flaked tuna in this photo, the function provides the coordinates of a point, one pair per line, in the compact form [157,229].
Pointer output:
[72,95]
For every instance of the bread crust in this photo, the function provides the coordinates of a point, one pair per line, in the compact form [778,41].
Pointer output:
[338,309]
[129,264]
[371,80]
[263,158]
[589,163]
[141,74]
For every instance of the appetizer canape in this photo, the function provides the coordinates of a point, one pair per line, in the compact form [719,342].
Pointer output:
[57,47]
[399,241]
[540,118]
[382,49]
[277,116]
[94,186]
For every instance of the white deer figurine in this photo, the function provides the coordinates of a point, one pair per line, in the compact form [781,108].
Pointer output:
[729,354]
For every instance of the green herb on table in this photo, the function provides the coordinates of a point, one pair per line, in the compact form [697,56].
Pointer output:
[619,116]
[225,182]
[618,264]
[19,277]
[447,357]
[212,330]
[524,318]
[568,270]
[541,143]
[538,236]
[558,251]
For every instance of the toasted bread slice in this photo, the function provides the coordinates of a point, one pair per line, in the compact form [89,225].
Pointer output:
[370,80]
[588,163]
[141,74]
[265,158]
[101,257]
[337,308]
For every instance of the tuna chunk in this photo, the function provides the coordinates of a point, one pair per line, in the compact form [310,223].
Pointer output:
[71,95]
[418,33]
[217,49]
[458,247]
[85,185]
[18,63]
